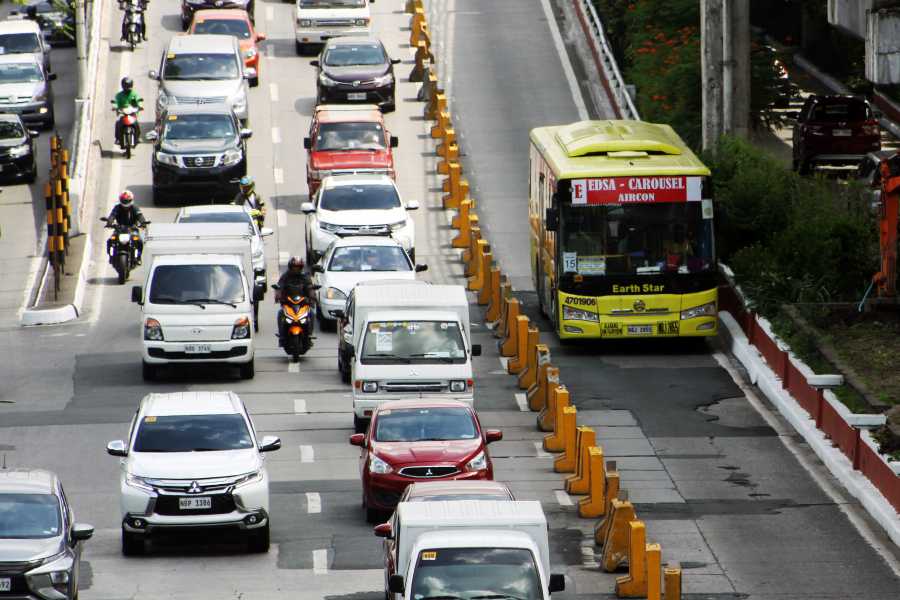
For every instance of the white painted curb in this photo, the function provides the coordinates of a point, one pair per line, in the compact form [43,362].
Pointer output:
[839,465]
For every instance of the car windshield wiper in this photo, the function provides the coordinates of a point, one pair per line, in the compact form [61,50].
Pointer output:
[205,449]
[442,597]
[487,596]
[164,300]
[383,355]
[432,355]
[201,301]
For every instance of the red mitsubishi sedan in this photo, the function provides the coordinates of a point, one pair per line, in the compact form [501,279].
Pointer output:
[420,440]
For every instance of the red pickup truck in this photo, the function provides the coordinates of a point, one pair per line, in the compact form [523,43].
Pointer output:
[347,140]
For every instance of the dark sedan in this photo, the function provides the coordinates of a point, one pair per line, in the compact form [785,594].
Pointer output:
[189,7]
[356,70]
[17,161]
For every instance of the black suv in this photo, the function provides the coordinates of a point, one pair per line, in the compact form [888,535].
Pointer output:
[189,7]
[17,161]
[356,69]
[198,147]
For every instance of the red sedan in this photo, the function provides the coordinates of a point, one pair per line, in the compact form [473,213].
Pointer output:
[420,440]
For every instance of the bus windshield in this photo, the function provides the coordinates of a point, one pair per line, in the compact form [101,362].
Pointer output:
[635,239]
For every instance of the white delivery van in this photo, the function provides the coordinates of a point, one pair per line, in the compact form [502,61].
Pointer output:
[468,548]
[317,21]
[410,341]
[199,298]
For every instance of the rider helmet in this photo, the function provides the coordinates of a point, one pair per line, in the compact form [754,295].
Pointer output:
[126,198]
[246,183]
[127,84]
[295,265]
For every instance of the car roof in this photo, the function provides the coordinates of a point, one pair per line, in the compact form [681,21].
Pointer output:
[222,13]
[371,282]
[353,40]
[366,240]
[11,118]
[331,113]
[19,26]
[207,43]
[422,403]
[837,98]
[6,59]
[211,208]
[454,486]
[191,403]
[217,108]
[333,181]
[33,481]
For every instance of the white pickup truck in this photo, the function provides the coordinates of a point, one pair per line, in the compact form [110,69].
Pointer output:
[198,303]
[468,549]
[316,21]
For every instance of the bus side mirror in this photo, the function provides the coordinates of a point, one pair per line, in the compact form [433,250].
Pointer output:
[552,219]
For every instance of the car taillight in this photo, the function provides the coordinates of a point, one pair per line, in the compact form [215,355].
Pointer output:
[871,128]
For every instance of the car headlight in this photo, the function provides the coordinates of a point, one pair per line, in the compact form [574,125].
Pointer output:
[250,53]
[51,579]
[361,22]
[162,100]
[138,483]
[577,314]
[167,159]
[347,334]
[326,80]
[384,79]
[232,157]
[239,102]
[333,293]
[479,463]
[249,478]
[19,151]
[704,310]
[329,227]
[319,173]
[370,387]
[398,225]
[378,466]
[458,385]
[241,329]
[153,330]
[304,22]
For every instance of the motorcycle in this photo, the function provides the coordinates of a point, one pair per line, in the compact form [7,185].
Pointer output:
[134,22]
[295,322]
[120,247]
[128,127]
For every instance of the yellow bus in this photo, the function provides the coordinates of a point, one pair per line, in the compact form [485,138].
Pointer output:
[622,242]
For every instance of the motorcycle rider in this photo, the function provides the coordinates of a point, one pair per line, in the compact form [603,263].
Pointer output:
[294,277]
[126,214]
[247,196]
[133,6]
[124,98]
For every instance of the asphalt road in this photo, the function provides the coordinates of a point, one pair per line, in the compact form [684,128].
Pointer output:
[726,491]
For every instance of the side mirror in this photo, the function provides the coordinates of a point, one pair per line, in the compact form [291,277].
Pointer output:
[395,584]
[116,448]
[81,532]
[249,73]
[384,531]
[260,37]
[51,76]
[259,292]
[137,294]
[316,287]
[270,443]
[33,133]
[476,349]
[317,268]
[246,134]
[395,61]
[307,143]
[358,439]
[493,435]
[339,314]
[151,136]
[412,205]
[395,141]
[307,208]
[153,74]
[420,268]
[557,583]
[314,63]
[552,219]
[266,231]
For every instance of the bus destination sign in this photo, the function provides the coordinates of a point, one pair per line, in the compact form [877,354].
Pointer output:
[629,190]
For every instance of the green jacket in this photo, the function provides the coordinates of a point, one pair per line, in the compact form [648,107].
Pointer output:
[129,98]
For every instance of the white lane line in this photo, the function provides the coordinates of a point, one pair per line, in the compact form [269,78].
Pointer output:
[282,217]
[564,59]
[278,174]
[539,450]
[270,51]
[320,562]
[299,406]
[283,258]
[276,135]
[313,503]
[563,498]
[307,454]
[504,362]
[292,366]
[522,401]
[270,13]
[273,92]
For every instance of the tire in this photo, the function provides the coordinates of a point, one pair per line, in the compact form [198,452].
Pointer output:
[345,375]
[159,198]
[128,144]
[122,267]
[324,324]
[132,544]
[258,540]
[51,122]
[148,372]
[248,370]
[256,317]
[360,425]
[390,107]
[374,516]
[32,175]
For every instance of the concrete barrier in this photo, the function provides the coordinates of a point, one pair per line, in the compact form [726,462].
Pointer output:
[450,185]
[515,343]
[594,504]
[547,417]
[429,87]
[510,343]
[654,571]
[672,577]
[615,542]
[505,298]
[536,353]
[495,306]
[524,338]
[601,529]
[580,482]
[462,192]
[444,122]
[463,238]
[436,105]
[422,58]
[491,282]
[417,26]
[555,442]
[634,585]
[506,321]
[448,150]
[412,5]
[537,377]
[478,270]
[567,462]
[469,254]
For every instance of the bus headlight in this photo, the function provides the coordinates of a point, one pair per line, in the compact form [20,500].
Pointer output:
[576,314]
[704,310]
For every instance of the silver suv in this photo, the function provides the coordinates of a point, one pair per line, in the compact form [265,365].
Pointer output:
[203,69]
[25,89]
[40,544]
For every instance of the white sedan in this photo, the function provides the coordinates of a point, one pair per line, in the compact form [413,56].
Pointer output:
[351,260]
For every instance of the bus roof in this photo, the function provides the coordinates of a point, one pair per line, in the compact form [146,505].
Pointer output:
[615,148]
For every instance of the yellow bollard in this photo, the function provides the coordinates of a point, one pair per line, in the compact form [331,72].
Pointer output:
[554,442]
[416,26]
[580,482]
[422,54]
[594,504]
[439,130]
[495,306]
[672,575]
[437,104]
[615,546]
[654,579]
[601,529]
[462,240]
[491,284]
[412,5]
[634,585]
[517,362]
[476,280]
[452,198]
[528,376]
[547,417]
[528,353]
[567,461]
[462,194]
[505,297]
[508,343]
[512,311]
[537,393]
[468,255]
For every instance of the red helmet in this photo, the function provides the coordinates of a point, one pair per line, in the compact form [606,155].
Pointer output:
[295,264]
[126,198]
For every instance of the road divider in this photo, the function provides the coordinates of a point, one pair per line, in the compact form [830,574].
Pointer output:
[547,375]
[499,293]
[602,483]
[567,425]
[634,584]
[534,354]
[580,482]
[554,442]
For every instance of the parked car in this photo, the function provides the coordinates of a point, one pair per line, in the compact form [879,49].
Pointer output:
[352,69]
[24,37]
[834,130]
[357,205]
[350,260]
[56,19]
[347,139]
[17,159]
[193,460]
[416,440]
[198,147]
[189,7]
[317,21]
[456,489]
[26,90]
[40,542]
[236,23]
[203,69]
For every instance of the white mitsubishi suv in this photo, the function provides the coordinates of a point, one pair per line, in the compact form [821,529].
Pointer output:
[192,460]
[346,205]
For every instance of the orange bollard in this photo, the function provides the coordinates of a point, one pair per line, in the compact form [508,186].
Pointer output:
[528,375]
[418,71]
[439,130]
[416,26]
[672,575]
[594,504]
[412,5]
[437,105]
[634,585]
[462,240]
[554,441]
[517,362]
[495,306]
[450,185]
[654,571]
[476,280]
[508,343]
[568,431]
[547,417]
[580,482]
[462,194]
[468,255]
[601,529]
[615,544]
[537,393]
[491,283]
[512,311]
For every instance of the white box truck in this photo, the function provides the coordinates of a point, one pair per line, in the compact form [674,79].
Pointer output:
[468,549]
[410,341]
[199,298]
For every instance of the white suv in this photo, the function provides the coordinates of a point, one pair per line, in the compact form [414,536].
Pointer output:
[317,21]
[347,205]
[192,460]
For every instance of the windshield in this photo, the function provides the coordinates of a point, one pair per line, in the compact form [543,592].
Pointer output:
[199,127]
[839,112]
[358,54]
[413,341]
[201,66]
[462,496]
[349,136]
[211,217]
[29,516]
[19,43]
[369,258]
[234,27]
[420,424]
[333,3]
[192,433]
[359,197]
[636,239]
[185,284]
[10,130]
[20,73]
[472,573]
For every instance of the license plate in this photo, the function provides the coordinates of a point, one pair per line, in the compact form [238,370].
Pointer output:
[5,584]
[356,96]
[199,503]
[840,132]
[197,348]
[640,330]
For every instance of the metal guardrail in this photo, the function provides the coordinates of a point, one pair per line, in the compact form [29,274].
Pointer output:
[617,88]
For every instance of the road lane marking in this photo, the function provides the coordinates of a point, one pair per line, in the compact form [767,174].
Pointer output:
[270,13]
[563,498]
[539,450]
[282,217]
[276,135]
[307,454]
[299,406]
[270,51]
[313,503]
[522,401]
[320,562]
[278,174]
[273,92]
[504,362]
[283,258]
[293,367]
[564,59]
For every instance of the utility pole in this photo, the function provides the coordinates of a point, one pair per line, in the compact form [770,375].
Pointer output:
[711,73]
[81,50]
[736,66]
